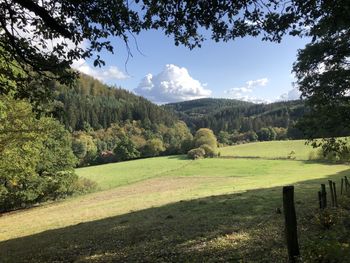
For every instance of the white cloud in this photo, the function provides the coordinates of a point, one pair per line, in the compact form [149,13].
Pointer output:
[242,93]
[293,94]
[171,85]
[255,83]
[103,74]
[254,99]
[47,46]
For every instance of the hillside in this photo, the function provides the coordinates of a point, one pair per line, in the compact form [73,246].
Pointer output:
[185,211]
[100,105]
[229,115]
[90,102]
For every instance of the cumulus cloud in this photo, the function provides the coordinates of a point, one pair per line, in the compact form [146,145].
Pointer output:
[254,99]
[243,93]
[293,94]
[251,84]
[103,74]
[171,85]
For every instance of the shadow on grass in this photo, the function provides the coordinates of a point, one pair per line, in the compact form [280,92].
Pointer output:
[241,227]
[178,157]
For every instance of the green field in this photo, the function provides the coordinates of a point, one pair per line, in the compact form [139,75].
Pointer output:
[271,150]
[170,209]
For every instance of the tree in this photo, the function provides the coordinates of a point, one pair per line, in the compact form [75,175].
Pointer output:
[26,27]
[205,140]
[323,75]
[153,147]
[224,137]
[36,157]
[84,147]
[251,136]
[205,136]
[266,134]
[56,154]
[80,29]
[126,150]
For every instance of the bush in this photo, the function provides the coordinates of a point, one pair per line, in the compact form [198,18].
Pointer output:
[153,147]
[196,153]
[84,185]
[206,143]
[33,189]
[126,150]
[209,151]
[332,156]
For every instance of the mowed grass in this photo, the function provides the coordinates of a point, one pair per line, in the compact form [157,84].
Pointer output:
[271,150]
[118,174]
[170,209]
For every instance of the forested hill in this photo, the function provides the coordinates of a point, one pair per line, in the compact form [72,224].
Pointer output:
[229,115]
[205,106]
[92,103]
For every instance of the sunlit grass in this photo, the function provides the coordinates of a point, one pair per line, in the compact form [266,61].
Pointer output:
[272,149]
[170,209]
[196,179]
[118,174]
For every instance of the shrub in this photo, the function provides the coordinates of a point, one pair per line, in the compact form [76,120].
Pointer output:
[209,151]
[206,144]
[153,147]
[196,153]
[205,136]
[331,156]
[84,185]
[126,150]
[291,155]
[32,189]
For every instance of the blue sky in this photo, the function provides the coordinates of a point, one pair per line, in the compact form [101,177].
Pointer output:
[248,68]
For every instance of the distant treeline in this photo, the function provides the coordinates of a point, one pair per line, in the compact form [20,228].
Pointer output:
[130,140]
[235,116]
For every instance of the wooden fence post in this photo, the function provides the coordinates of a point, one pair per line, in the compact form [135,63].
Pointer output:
[341,186]
[290,223]
[346,184]
[331,191]
[335,195]
[320,199]
[324,195]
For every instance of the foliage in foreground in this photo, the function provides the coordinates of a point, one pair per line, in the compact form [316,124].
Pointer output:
[334,150]
[36,157]
[330,243]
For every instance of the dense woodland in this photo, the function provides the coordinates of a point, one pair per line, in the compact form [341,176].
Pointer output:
[240,121]
[90,101]
[110,124]
[234,115]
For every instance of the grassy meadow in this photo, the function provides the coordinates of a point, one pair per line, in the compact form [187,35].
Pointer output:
[271,150]
[171,209]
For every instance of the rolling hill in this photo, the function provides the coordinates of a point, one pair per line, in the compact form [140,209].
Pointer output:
[98,105]
[230,115]
[185,211]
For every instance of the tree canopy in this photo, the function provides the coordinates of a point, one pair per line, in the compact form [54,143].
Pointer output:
[45,37]
[323,76]
[36,157]
[39,40]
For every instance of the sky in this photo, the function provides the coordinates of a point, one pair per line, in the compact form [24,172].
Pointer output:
[247,69]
